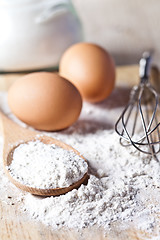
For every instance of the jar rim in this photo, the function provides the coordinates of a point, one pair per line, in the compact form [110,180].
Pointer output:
[12,3]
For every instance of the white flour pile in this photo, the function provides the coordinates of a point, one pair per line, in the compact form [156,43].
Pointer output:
[113,191]
[124,185]
[45,166]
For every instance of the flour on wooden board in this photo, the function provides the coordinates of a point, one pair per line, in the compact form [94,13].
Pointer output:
[123,184]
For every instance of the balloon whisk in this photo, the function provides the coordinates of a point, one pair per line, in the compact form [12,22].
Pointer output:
[139,123]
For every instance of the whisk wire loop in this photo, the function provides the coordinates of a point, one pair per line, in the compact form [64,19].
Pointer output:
[139,125]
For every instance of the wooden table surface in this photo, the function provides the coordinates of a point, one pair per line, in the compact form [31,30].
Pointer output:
[15,225]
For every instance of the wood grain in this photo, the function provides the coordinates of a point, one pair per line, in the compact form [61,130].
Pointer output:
[124,75]
[15,225]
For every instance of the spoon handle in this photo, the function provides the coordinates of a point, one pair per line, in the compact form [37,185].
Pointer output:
[13,134]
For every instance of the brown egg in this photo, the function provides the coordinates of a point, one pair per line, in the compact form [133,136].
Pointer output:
[91,69]
[45,101]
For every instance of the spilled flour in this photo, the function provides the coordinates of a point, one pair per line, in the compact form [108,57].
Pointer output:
[113,191]
[123,184]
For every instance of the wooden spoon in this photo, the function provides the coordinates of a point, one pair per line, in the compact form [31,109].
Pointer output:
[13,136]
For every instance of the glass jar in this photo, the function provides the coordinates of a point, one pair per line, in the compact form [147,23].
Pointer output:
[35,33]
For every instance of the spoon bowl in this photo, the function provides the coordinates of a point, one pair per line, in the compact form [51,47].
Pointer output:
[13,136]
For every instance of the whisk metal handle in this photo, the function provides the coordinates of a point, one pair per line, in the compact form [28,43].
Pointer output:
[144,67]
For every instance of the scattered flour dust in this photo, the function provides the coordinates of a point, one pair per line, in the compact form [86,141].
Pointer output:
[115,189]
[46,166]
[123,184]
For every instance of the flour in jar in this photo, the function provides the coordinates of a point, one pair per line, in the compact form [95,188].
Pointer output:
[39,165]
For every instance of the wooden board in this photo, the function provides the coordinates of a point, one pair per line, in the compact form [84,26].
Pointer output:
[127,75]
[15,225]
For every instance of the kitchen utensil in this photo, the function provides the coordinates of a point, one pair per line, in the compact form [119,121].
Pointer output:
[13,136]
[138,125]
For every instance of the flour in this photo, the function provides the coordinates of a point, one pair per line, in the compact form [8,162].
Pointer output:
[117,177]
[45,166]
[123,184]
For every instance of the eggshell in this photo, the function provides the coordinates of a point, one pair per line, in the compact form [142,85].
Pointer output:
[91,69]
[45,101]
